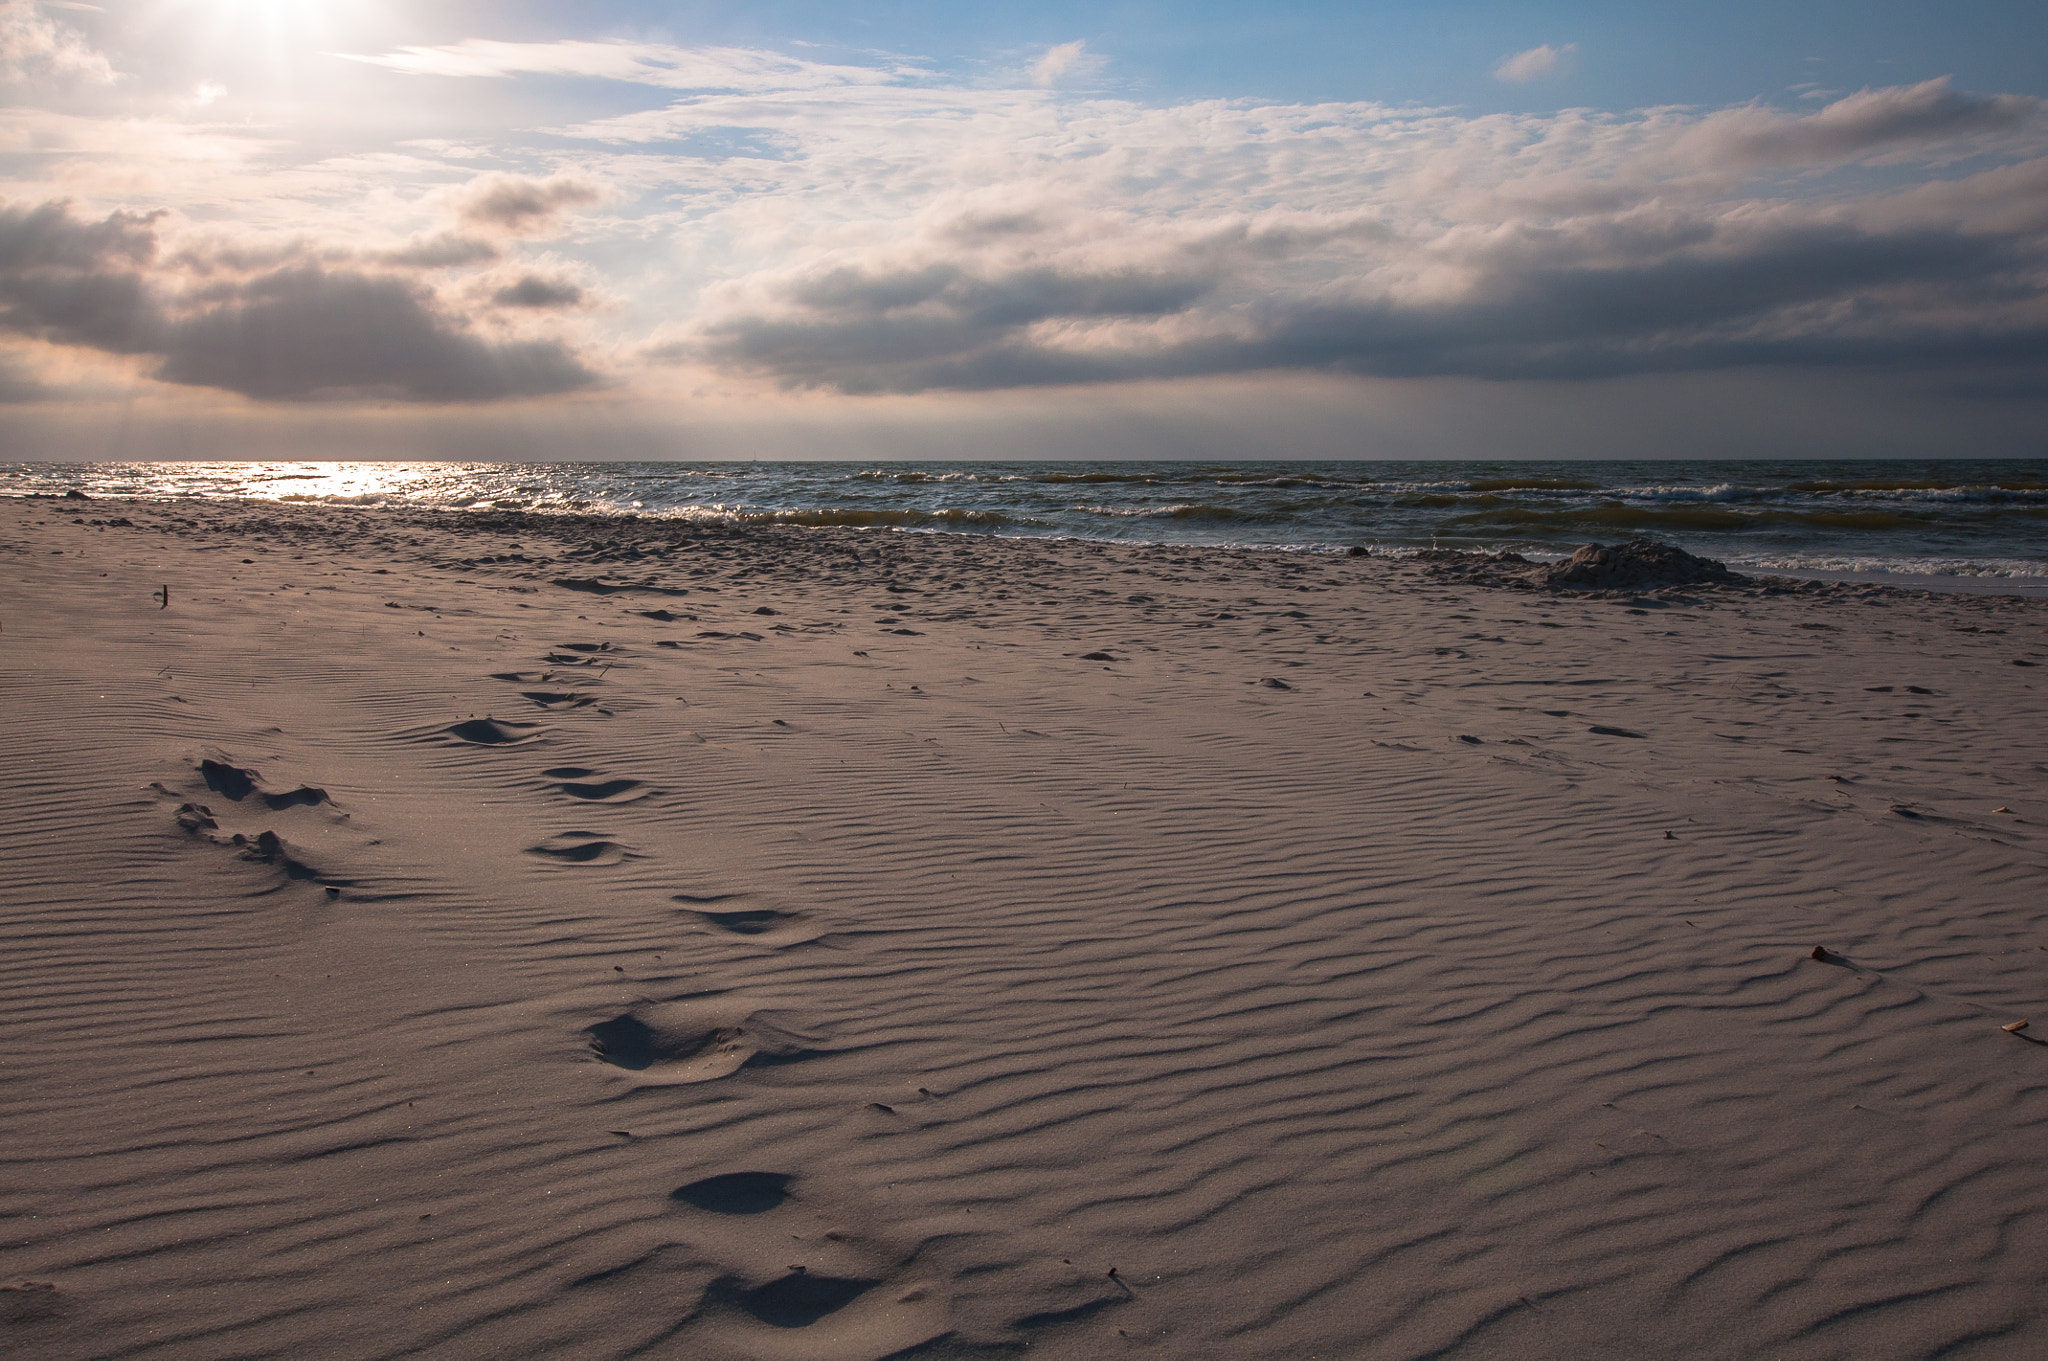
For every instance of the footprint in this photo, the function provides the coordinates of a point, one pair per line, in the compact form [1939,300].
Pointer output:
[698,1039]
[796,1300]
[268,848]
[778,927]
[803,1270]
[580,848]
[489,732]
[736,1193]
[609,791]
[32,1302]
[555,699]
[235,782]
[755,922]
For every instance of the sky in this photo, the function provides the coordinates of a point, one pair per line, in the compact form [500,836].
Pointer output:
[537,230]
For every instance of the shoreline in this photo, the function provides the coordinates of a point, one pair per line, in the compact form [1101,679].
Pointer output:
[778,943]
[682,527]
[1877,518]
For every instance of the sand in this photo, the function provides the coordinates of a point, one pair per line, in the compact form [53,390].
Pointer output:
[602,939]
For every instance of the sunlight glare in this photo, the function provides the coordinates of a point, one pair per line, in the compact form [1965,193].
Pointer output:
[270,33]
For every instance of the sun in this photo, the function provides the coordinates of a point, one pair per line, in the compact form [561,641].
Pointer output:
[273,34]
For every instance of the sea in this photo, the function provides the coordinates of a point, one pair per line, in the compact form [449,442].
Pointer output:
[1955,521]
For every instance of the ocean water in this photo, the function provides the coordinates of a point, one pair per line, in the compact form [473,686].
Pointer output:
[1951,518]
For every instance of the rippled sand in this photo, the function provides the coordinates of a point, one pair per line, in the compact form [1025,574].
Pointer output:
[465,936]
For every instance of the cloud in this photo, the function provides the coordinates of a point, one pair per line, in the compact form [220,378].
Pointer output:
[531,290]
[1533,64]
[1062,61]
[1599,305]
[72,282]
[307,333]
[904,329]
[32,45]
[303,330]
[441,250]
[519,206]
[49,237]
[679,68]
[797,228]
[1866,121]
[1568,246]
[924,239]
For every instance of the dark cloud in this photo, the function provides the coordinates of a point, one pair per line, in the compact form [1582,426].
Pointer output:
[1599,305]
[49,237]
[870,330]
[444,251]
[520,206]
[306,333]
[302,331]
[1012,298]
[73,282]
[534,291]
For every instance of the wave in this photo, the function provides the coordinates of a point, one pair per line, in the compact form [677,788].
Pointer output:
[850,517]
[1826,487]
[366,498]
[2018,569]
[1530,484]
[1607,516]
[1179,511]
[913,478]
[1706,518]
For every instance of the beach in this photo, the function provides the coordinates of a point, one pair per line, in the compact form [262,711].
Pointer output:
[476,933]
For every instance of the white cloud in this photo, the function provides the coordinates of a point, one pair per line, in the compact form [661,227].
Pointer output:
[1533,64]
[679,68]
[1059,62]
[32,45]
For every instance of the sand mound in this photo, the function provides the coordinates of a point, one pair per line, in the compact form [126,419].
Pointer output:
[1638,565]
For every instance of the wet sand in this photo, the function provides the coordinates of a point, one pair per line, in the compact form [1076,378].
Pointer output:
[475,935]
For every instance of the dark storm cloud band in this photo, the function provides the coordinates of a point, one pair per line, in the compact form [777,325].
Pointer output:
[1798,294]
[301,331]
